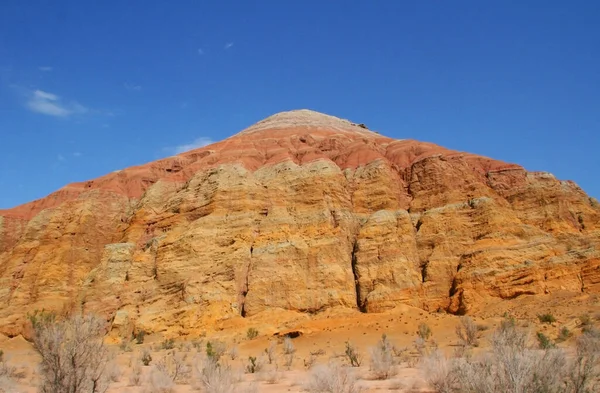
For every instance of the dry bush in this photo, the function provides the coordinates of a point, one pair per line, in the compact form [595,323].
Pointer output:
[424,331]
[159,382]
[583,373]
[288,346]
[288,360]
[332,378]
[72,351]
[271,353]
[233,352]
[270,375]
[353,355]
[215,350]
[382,359]
[113,371]
[467,332]
[438,372]
[135,377]
[7,377]
[212,377]
[510,366]
[173,364]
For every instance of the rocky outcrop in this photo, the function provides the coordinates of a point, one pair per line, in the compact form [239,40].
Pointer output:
[301,212]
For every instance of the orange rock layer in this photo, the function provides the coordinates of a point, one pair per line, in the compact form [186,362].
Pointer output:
[301,212]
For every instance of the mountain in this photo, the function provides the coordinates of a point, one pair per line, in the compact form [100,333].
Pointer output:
[299,214]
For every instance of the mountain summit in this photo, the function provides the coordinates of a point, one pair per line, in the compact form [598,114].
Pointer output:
[298,214]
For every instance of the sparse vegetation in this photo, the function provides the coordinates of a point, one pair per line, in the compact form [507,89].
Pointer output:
[288,346]
[382,359]
[544,342]
[139,337]
[173,365]
[253,365]
[168,344]
[135,377]
[424,331]
[332,378]
[251,333]
[563,334]
[353,355]
[546,318]
[146,357]
[467,332]
[212,377]
[72,351]
[270,352]
[159,382]
[215,350]
[511,366]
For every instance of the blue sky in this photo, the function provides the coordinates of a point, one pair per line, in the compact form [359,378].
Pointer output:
[87,88]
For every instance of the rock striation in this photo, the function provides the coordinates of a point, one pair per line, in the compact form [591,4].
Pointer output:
[302,212]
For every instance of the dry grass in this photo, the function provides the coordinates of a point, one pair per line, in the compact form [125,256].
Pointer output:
[332,378]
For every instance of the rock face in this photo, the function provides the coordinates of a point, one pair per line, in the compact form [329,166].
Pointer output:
[301,212]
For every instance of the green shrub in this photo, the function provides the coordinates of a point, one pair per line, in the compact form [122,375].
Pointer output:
[546,318]
[544,341]
[139,337]
[146,357]
[252,333]
[352,355]
[564,334]
[424,331]
[253,365]
[168,344]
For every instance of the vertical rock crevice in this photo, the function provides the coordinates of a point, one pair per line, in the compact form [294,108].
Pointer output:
[359,302]
[246,285]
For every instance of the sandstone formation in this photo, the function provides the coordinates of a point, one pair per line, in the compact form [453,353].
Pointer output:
[302,212]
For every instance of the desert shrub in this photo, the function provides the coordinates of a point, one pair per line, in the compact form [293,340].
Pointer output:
[563,334]
[583,373]
[546,318]
[251,333]
[159,382]
[424,331]
[173,365]
[113,371]
[72,351]
[332,378]
[467,332]
[211,377]
[168,344]
[215,350]
[288,360]
[139,337]
[125,346]
[271,376]
[146,357]
[233,352]
[544,341]
[352,355]
[382,359]
[252,366]
[7,376]
[270,352]
[438,371]
[135,377]
[288,346]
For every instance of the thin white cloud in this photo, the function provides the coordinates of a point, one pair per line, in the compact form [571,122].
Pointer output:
[77,154]
[61,157]
[196,144]
[228,45]
[200,51]
[50,104]
[132,87]
[45,69]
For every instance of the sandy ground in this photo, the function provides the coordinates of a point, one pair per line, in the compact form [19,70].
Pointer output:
[326,334]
